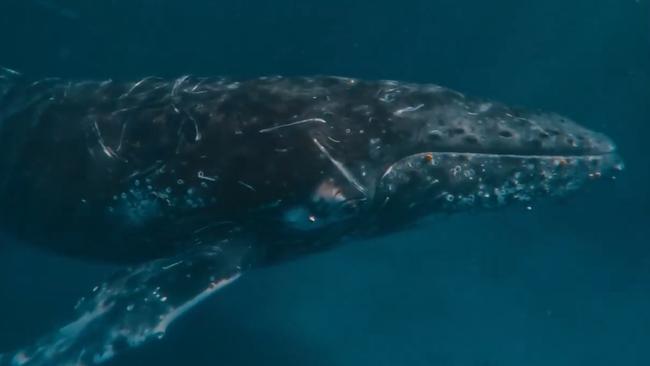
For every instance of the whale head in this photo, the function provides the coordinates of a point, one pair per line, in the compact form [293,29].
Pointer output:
[464,155]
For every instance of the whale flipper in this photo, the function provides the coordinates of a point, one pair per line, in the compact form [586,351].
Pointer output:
[134,306]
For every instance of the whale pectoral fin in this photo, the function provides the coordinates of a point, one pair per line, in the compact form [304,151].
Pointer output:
[133,307]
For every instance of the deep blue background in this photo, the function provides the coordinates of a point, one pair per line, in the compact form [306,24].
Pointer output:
[561,285]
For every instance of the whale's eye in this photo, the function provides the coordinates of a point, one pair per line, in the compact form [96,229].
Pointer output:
[329,205]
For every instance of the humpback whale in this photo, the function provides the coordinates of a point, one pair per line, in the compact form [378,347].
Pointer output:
[191,182]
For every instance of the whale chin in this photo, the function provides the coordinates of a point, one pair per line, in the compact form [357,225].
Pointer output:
[430,182]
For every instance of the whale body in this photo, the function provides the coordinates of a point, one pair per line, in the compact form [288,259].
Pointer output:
[192,181]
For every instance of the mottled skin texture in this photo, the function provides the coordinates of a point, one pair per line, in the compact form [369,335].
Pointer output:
[214,176]
[130,171]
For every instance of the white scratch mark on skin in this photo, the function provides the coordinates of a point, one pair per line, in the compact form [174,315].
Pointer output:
[136,85]
[161,328]
[399,112]
[346,173]
[123,110]
[106,149]
[387,172]
[202,175]
[333,139]
[197,132]
[145,172]
[11,71]
[119,146]
[385,202]
[178,83]
[244,184]
[308,120]
[193,90]
[105,83]
[172,265]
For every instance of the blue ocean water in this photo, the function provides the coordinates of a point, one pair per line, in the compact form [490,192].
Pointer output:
[564,284]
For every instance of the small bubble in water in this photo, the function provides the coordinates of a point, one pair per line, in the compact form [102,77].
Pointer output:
[130,307]
[180,181]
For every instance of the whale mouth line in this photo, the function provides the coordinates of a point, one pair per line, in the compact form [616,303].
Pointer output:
[521,156]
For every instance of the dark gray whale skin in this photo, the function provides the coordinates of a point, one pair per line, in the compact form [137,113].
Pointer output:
[203,178]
